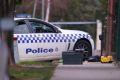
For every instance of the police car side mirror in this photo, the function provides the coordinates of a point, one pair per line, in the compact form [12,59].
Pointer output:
[38,30]
[58,31]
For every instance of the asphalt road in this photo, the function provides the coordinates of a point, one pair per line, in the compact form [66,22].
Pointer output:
[87,71]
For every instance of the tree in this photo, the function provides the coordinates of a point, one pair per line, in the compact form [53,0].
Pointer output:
[78,10]
[47,11]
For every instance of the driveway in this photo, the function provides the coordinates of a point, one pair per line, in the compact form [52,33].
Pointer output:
[87,71]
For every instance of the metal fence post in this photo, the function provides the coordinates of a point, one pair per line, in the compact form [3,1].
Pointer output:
[118,32]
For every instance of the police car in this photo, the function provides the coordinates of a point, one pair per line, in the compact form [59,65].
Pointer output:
[35,39]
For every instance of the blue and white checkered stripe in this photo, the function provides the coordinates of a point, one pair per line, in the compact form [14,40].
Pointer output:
[48,38]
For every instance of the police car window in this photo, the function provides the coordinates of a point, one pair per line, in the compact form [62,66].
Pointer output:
[41,28]
[21,28]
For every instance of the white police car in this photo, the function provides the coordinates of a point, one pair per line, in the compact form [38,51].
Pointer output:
[39,40]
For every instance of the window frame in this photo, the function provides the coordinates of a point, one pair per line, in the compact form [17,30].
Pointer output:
[44,23]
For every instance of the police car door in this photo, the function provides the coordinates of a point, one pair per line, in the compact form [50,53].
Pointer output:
[23,40]
[47,40]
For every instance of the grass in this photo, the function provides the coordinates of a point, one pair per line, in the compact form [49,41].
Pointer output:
[38,71]
[42,63]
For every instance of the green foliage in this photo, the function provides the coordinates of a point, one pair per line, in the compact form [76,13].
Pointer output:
[79,10]
[18,2]
[43,63]
[32,71]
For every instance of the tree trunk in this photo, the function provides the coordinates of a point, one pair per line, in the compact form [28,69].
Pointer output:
[47,11]
[34,9]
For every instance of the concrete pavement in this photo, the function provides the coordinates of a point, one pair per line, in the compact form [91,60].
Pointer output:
[87,71]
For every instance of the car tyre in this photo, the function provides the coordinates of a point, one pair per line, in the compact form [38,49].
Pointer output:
[85,46]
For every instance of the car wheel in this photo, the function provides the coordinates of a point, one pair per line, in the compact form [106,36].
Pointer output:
[85,46]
